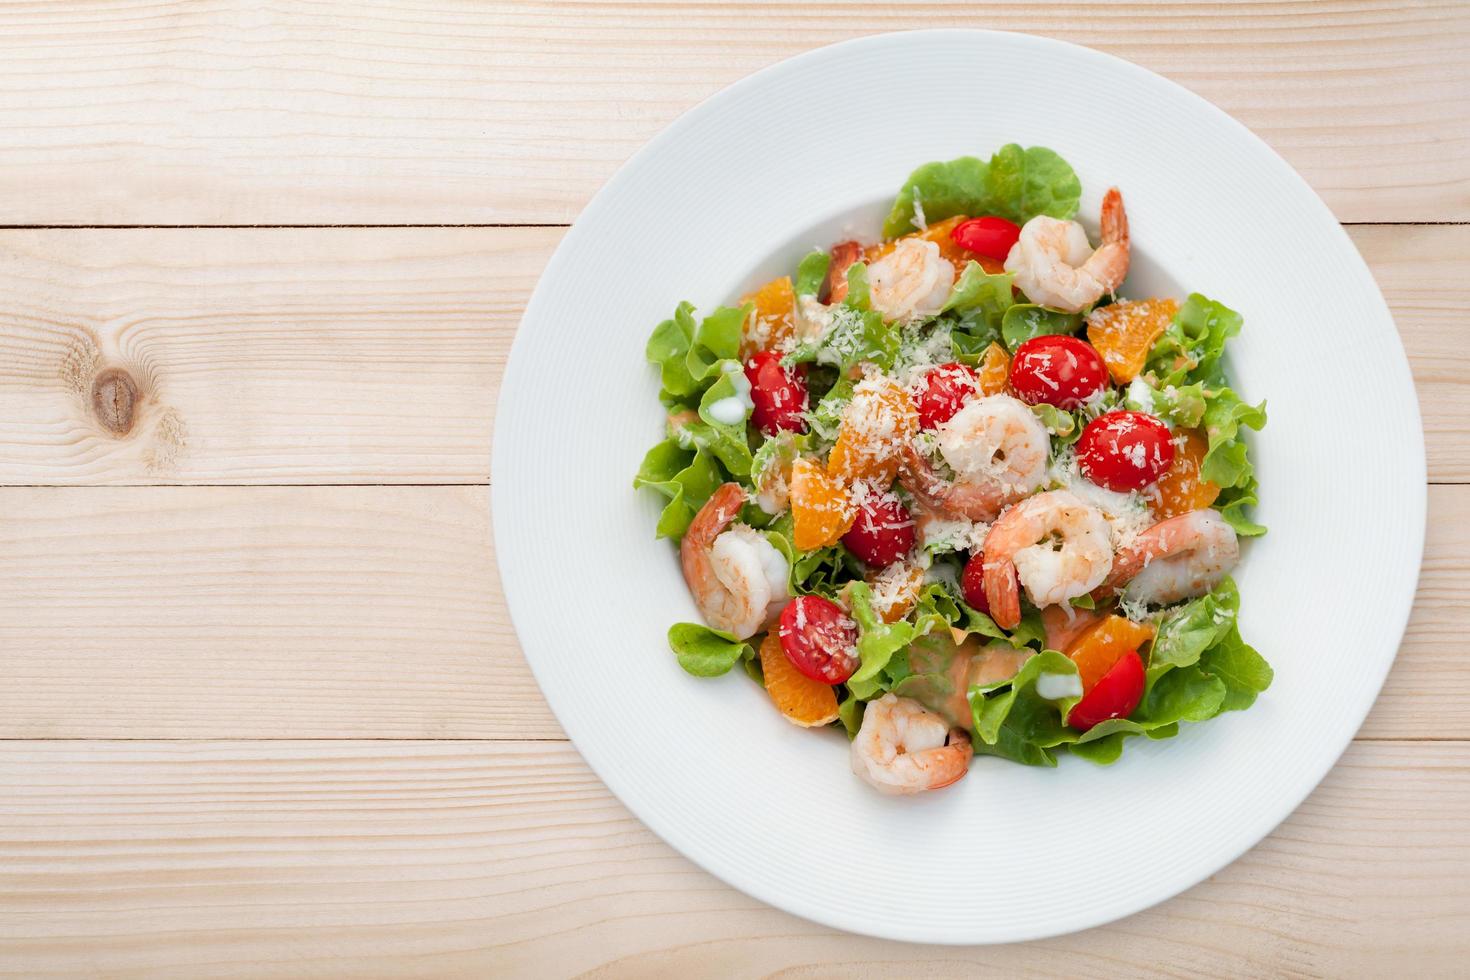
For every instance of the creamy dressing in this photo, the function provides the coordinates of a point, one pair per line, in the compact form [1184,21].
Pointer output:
[1055,687]
[728,411]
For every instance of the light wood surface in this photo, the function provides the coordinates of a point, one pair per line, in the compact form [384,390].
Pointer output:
[263,710]
[509,859]
[233,112]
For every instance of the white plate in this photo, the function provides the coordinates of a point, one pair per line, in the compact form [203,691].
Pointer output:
[733,193]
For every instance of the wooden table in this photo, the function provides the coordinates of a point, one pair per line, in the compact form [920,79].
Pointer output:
[260,268]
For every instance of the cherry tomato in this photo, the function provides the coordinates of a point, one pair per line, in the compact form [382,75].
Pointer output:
[883,531]
[819,639]
[1057,370]
[990,236]
[1125,450]
[779,395]
[1114,696]
[944,391]
[972,583]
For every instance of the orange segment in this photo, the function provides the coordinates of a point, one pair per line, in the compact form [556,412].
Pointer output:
[821,511]
[1103,645]
[896,590]
[1124,332]
[1180,490]
[995,370]
[876,423]
[803,701]
[775,316]
[939,234]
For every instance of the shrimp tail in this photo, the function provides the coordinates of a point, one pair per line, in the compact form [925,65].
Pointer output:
[958,751]
[1114,219]
[973,502]
[844,254]
[1003,593]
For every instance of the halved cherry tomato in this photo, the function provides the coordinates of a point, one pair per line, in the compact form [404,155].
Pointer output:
[819,639]
[943,392]
[1125,450]
[883,531]
[1059,370]
[989,235]
[1114,696]
[1099,648]
[972,583]
[779,394]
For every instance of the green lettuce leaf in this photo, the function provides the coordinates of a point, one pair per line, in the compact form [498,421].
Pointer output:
[812,272]
[686,478]
[879,641]
[1020,184]
[1013,721]
[1024,321]
[704,652]
[852,336]
[716,339]
[1190,349]
[941,190]
[668,347]
[1182,407]
[1016,184]
[728,442]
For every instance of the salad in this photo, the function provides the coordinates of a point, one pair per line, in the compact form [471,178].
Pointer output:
[953,492]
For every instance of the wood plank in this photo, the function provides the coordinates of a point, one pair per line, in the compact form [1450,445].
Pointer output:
[395,859]
[174,112]
[279,355]
[376,612]
[358,612]
[258,356]
[1421,270]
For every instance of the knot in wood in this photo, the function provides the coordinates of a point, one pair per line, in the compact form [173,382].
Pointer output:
[114,395]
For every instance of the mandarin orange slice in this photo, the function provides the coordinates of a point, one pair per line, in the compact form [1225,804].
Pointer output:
[939,234]
[1103,645]
[896,590]
[803,701]
[1180,490]
[821,510]
[1124,332]
[774,319]
[877,422]
[995,370]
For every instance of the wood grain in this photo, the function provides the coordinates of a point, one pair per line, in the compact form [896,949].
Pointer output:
[359,612]
[236,112]
[375,612]
[260,356]
[371,859]
[340,356]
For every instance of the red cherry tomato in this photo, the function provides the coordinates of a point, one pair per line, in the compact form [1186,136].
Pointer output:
[972,583]
[944,391]
[819,639]
[883,531]
[1058,370]
[1125,450]
[990,236]
[1114,696]
[779,395]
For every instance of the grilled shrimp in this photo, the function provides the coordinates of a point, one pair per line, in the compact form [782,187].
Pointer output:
[1054,544]
[1183,557]
[998,450]
[737,578]
[903,747]
[913,280]
[1056,266]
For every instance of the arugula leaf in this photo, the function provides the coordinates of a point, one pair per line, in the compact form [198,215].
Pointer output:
[1027,320]
[705,652]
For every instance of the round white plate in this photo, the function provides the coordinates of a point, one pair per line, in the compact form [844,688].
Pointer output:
[732,194]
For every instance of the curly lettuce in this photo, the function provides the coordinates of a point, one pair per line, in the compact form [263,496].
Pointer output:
[1016,184]
[1197,668]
